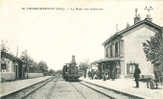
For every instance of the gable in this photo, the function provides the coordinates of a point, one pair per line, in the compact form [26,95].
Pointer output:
[121,33]
[143,30]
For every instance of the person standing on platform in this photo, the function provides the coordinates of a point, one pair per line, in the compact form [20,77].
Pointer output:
[89,74]
[113,73]
[137,75]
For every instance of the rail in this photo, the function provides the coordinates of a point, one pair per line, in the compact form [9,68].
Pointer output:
[111,97]
[79,91]
[22,93]
[112,91]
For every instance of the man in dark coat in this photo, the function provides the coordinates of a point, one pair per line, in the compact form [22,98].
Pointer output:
[137,75]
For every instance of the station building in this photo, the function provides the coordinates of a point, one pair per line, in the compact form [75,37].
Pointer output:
[12,67]
[124,49]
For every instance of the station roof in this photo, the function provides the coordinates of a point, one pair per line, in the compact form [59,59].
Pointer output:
[106,60]
[120,33]
[10,56]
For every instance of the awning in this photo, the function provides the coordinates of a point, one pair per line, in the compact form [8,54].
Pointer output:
[106,60]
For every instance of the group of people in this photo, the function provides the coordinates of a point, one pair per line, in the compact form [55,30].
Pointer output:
[102,75]
[112,75]
[109,75]
[92,74]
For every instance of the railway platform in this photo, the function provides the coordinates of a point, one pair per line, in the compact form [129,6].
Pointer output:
[127,86]
[7,88]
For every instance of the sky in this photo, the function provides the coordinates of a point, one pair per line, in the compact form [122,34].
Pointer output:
[55,35]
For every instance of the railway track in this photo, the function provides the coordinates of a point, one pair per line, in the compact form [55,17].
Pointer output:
[23,93]
[97,90]
[54,80]
[51,89]
[111,93]
[82,95]
[44,92]
[85,96]
[57,88]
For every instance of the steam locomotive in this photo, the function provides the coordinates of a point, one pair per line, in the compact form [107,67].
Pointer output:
[70,71]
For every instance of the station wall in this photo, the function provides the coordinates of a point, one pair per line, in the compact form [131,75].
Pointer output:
[33,75]
[7,76]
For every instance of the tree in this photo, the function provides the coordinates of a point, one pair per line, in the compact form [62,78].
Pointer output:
[33,67]
[84,66]
[51,72]
[58,72]
[30,65]
[152,49]
[43,66]
[25,58]
[161,55]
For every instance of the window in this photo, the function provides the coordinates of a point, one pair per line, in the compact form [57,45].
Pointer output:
[111,51]
[3,64]
[121,48]
[131,68]
[116,49]
[106,52]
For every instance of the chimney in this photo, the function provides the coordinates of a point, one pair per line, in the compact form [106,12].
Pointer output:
[117,29]
[137,16]
[148,16]
[127,25]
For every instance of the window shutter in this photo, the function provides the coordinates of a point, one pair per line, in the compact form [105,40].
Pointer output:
[122,48]
[128,68]
[106,52]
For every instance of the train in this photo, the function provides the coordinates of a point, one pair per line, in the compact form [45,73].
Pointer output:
[70,71]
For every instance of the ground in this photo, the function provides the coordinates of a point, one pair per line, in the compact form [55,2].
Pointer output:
[60,89]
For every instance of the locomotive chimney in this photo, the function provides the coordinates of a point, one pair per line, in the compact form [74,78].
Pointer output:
[73,59]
